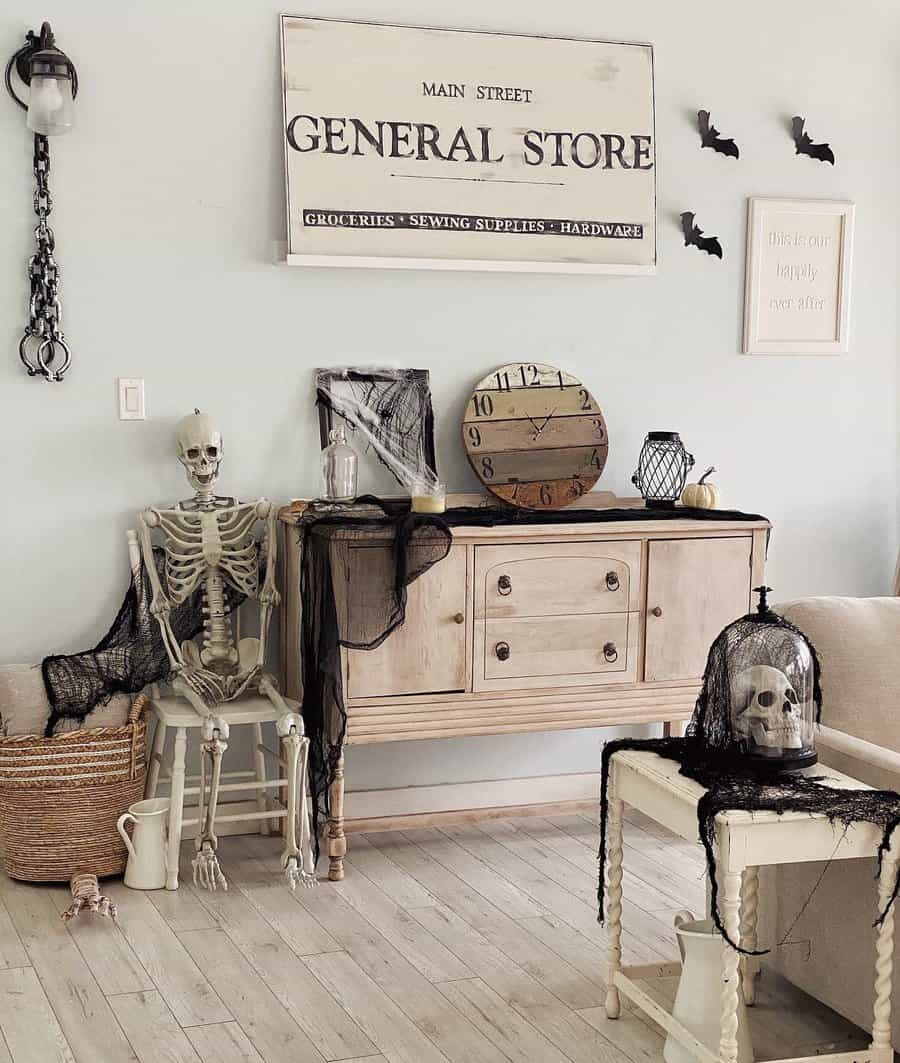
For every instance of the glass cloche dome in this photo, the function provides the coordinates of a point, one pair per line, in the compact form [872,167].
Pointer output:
[761,697]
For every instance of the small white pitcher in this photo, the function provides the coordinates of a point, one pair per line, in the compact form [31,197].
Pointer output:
[698,1002]
[146,867]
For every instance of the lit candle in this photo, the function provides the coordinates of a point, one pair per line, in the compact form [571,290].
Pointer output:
[429,498]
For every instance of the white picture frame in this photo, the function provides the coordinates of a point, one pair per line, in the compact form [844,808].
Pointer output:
[798,274]
[476,114]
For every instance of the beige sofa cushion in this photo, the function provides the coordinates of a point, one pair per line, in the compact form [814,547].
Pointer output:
[24,708]
[858,643]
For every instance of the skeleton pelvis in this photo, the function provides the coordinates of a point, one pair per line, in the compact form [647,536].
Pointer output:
[222,659]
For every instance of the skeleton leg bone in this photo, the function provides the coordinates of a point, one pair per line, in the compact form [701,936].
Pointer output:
[296,859]
[207,872]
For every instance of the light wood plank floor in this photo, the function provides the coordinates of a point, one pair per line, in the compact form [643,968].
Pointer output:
[471,944]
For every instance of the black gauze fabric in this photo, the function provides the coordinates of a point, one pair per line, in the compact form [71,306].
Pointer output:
[733,788]
[358,561]
[130,656]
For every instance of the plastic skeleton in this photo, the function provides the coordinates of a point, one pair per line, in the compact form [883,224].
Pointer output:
[210,544]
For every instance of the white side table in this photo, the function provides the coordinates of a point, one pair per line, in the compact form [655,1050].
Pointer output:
[745,841]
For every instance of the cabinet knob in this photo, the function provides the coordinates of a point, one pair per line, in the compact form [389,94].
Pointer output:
[504,585]
[610,652]
[656,611]
[502,651]
[459,618]
[612,580]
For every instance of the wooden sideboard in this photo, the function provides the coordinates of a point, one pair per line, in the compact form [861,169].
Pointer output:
[540,627]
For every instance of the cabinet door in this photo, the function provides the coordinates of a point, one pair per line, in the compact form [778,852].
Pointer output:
[694,588]
[427,653]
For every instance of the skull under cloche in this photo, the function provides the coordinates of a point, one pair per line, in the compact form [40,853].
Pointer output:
[761,696]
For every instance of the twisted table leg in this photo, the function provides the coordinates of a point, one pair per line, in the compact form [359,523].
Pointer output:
[730,909]
[613,904]
[882,1052]
[749,909]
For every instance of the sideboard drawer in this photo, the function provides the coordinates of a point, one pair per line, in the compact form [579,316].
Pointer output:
[529,652]
[557,579]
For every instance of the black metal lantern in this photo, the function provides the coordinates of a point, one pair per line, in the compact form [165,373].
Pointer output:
[761,694]
[662,469]
[53,84]
[52,79]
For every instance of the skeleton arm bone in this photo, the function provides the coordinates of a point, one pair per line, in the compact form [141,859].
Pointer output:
[268,596]
[160,606]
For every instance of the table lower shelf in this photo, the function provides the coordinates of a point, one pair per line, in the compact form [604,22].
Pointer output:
[626,980]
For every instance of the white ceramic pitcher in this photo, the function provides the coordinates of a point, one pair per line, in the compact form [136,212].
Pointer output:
[698,1002]
[146,867]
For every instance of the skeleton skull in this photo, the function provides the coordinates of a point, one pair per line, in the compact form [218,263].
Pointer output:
[200,451]
[765,709]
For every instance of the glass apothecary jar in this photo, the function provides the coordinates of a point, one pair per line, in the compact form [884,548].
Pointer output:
[339,468]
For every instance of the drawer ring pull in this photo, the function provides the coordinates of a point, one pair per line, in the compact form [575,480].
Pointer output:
[610,652]
[502,651]
[504,585]
[612,580]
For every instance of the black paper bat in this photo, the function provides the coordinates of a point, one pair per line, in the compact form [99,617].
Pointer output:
[693,236]
[805,146]
[709,137]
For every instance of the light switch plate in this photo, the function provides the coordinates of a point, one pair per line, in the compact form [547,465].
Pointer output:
[131,399]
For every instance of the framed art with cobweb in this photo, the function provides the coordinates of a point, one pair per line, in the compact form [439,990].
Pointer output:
[388,411]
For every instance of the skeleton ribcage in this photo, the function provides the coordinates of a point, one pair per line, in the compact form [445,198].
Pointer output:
[194,544]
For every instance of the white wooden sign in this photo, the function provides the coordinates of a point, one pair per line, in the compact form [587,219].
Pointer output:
[450,149]
[797,288]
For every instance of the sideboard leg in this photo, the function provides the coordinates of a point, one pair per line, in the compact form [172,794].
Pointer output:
[337,841]
[730,908]
[749,910]
[882,1052]
[613,904]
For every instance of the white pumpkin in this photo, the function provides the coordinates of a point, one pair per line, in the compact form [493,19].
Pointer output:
[702,495]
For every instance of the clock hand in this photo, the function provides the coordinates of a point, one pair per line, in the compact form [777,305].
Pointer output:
[546,422]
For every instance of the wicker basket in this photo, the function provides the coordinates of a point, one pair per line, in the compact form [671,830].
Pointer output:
[60,798]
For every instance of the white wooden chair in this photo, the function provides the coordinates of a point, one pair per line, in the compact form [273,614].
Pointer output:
[176,713]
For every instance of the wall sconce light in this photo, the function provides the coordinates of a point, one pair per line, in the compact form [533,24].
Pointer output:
[53,85]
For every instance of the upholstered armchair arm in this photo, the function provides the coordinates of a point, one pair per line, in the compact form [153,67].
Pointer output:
[871,763]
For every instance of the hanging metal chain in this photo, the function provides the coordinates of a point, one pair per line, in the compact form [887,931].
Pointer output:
[43,348]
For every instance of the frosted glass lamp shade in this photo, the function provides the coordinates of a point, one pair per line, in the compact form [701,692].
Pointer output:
[50,109]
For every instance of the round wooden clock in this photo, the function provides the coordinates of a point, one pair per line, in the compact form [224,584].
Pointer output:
[534,435]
